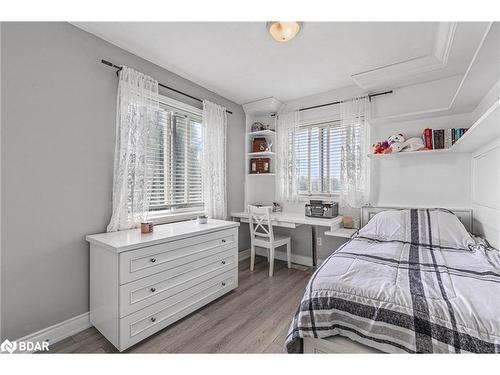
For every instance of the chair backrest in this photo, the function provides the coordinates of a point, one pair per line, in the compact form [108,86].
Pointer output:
[260,222]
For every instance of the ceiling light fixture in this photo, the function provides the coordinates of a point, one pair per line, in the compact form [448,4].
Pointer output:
[283,31]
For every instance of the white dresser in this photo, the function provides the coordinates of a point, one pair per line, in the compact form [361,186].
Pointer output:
[141,283]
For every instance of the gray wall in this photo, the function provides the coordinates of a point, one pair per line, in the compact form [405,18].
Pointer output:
[301,242]
[58,124]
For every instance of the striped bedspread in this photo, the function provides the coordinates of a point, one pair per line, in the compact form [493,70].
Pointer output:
[409,296]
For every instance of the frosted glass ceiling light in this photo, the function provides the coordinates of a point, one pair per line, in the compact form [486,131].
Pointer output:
[283,31]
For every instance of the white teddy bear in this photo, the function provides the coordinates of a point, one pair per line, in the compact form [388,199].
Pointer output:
[413,144]
[397,143]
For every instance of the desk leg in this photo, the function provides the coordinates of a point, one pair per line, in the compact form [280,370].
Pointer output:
[313,247]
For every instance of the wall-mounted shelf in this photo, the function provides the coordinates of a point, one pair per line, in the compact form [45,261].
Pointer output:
[482,132]
[410,153]
[262,132]
[263,153]
[262,174]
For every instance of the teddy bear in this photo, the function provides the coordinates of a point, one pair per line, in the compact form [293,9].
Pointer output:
[396,143]
[413,144]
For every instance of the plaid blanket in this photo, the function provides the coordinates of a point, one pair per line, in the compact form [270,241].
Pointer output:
[410,296]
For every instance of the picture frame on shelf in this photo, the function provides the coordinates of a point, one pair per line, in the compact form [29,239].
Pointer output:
[260,166]
[260,145]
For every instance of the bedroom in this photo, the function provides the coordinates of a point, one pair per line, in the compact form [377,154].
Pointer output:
[250,187]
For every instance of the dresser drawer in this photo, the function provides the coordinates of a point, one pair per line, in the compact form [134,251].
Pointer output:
[152,289]
[140,325]
[150,260]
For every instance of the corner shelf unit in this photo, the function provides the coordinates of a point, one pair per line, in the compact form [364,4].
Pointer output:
[484,130]
[260,190]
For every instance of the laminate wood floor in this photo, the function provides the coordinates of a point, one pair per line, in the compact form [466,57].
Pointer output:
[254,318]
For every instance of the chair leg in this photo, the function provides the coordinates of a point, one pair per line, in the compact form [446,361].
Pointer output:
[252,257]
[271,261]
[289,253]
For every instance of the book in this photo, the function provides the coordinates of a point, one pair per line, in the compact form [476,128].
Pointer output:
[434,140]
[438,139]
[441,138]
[428,138]
[447,138]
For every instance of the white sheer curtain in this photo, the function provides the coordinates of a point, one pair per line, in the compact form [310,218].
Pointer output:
[214,127]
[286,167]
[355,171]
[137,109]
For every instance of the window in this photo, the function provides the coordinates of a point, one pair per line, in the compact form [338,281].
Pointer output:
[175,160]
[318,158]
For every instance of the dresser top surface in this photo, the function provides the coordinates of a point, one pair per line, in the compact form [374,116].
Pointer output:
[131,239]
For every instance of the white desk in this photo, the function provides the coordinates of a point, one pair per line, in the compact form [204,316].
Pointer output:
[341,232]
[293,220]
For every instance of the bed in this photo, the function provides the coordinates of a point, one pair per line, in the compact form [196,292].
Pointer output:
[411,281]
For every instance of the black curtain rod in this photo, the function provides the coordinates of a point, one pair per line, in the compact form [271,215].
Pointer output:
[370,96]
[118,68]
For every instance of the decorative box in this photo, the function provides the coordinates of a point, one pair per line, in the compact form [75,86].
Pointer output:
[260,165]
[259,145]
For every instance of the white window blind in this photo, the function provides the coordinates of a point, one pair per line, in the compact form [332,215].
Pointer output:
[318,158]
[175,160]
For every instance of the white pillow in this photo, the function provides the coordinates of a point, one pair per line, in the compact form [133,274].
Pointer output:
[449,231]
[386,225]
[446,229]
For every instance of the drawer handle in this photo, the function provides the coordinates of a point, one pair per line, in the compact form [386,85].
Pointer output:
[153,260]
[223,284]
[152,290]
[153,319]
[223,241]
[223,262]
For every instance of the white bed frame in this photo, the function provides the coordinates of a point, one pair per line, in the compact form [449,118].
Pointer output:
[463,214]
[344,345]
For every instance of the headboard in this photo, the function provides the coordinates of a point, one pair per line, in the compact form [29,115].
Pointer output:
[464,215]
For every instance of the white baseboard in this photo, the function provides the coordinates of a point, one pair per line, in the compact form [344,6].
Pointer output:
[60,331]
[245,254]
[280,255]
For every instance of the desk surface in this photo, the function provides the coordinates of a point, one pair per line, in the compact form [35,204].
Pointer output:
[294,218]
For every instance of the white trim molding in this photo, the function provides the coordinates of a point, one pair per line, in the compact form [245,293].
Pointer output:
[243,255]
[439,111]
[60,331]
[389,74]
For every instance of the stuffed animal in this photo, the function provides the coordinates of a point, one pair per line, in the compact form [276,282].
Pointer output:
[380,147]
[413,144]
[396,143]
[397,147]
[396,138]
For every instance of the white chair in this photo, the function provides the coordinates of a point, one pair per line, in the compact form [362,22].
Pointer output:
[262,235]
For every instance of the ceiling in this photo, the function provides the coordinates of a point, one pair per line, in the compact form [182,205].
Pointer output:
[240,61]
